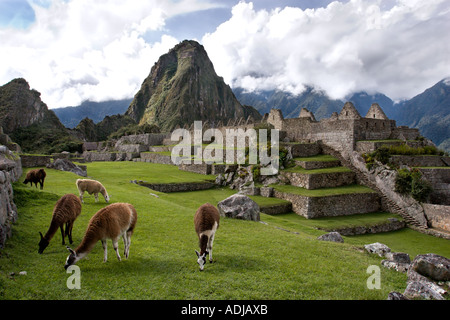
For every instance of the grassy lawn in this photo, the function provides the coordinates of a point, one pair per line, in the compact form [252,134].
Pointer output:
[318,158]
[252,260]
[299,169]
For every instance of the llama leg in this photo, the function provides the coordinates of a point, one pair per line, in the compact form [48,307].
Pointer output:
[105,254]
[62,234]
[96,197]
[125,244]
[128,243]
[81,197]
[69,232]
[210,245]
[116,247]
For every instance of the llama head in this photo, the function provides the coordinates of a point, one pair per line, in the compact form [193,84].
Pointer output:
[42,244]
[201,259]
[71,259]
[106,196]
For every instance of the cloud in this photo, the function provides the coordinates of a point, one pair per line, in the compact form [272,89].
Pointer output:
[397,47]
[85,49]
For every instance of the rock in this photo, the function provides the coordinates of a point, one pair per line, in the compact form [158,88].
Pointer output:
[332,236]
[239,206]
[397,266]
[432,266]
[414,276]
[398,257]
[67,165]
[266,192]
[421,290]
[378,248]
[396,296]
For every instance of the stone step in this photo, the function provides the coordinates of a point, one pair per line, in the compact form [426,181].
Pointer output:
[277,208]
[317,162]
[320,178]
[302,149]
[329,202]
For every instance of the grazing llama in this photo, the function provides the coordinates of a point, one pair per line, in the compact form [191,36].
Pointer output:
[66,211]
[111,222]
[206,222]
[35,176]
[91,187]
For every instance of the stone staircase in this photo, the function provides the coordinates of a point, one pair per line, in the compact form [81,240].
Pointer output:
[321,186]
[386,202]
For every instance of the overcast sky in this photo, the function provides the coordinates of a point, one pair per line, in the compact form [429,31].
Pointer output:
[75,50]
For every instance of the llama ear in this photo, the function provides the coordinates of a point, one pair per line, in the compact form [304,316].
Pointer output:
[71,251]
[41,235]
[198,253]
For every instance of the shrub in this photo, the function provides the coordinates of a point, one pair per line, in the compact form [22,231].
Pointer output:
[411,182]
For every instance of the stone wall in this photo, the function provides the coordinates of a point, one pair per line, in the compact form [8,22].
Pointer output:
[176,187]
[331,206]
[320,180]
[438,216]
[30,161]
[440,181]
[10,172]
[420,160]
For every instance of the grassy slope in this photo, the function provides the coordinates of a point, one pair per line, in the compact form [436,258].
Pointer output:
[252,260]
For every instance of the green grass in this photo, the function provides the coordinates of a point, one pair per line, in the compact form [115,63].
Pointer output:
[252,260]
[323,192]
[299,169]
[318,158]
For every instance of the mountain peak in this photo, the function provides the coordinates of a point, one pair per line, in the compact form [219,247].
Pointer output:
[183,87]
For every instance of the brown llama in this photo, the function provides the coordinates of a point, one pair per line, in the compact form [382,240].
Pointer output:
[110,222]
[206,222]
[91,187]
[65,211]
[35,176]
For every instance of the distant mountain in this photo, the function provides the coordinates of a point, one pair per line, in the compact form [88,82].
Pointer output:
[96,111]
[362,101]
[315,101]
[183,87]
[430,113]
[29,122]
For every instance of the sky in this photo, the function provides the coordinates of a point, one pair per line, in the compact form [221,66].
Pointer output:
[98,50]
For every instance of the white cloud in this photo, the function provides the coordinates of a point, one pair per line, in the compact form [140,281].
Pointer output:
[85,49]
[397,47]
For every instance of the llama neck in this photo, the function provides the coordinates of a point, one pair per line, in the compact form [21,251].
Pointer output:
[51,230]
[203,242]
[88,243]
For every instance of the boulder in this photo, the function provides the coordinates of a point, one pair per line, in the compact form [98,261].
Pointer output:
[239,206]
[396,296]
[67,165]
[332,236]
[421,290]
[432,266]
[378,248]
[398,261]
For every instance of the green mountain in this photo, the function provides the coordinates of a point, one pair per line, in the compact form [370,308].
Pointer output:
[183,87]
[430,113]
[29,122]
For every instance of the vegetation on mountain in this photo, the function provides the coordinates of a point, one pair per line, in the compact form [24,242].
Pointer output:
[183,87]
[30,123]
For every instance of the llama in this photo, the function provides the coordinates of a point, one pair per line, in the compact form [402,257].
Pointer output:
[35,176]
[110,222]
[91,187]
[66,211]
[206,222]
